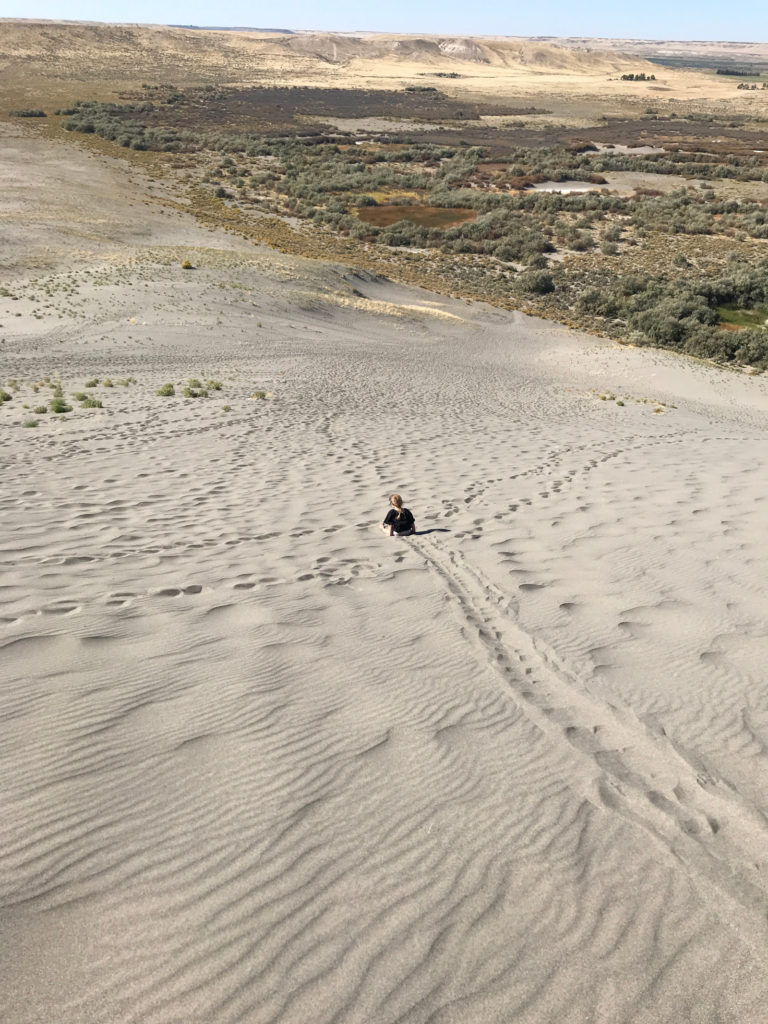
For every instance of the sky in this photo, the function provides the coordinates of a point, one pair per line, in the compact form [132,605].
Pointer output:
[745,21]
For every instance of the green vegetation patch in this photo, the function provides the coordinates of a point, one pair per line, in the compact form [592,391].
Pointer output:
[757,317]
[424,216]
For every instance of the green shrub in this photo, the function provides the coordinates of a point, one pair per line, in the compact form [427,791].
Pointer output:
[79,396]
[40,409]
[29,423]
[226,408]
[166,390]
[59,405]
[214,385]
[28,113]
[193,382]
[539,282]
[107,383]
[91,403]
[4,396]
[186,265]
[259,394]
[93,383]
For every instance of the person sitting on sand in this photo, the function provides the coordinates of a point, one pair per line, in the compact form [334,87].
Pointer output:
[399,521]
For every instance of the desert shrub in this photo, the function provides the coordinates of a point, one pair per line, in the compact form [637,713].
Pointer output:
[221,193]
[4,396]
[213,385]
[79,396]
[166,390]
[93,383]
[538,282]
[40,410]
[107,383]
[226,408]
[58,405]
[27,113]
[91,403]
[29,422]
[186,265]
[193,382]
[259,394]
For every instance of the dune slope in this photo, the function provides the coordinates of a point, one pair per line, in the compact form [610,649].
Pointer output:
[262,763]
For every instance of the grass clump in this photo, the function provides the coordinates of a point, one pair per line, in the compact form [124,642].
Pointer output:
[40,410]
[93,383]
[259,394]
[4,396]
[187,265]
[193,382]
[107,383]
[30,422]
[91,403]
[79,396]
[59,405]
[198,392]
[166,391]
[213,385]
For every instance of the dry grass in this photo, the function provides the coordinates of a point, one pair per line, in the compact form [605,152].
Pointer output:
[425,216]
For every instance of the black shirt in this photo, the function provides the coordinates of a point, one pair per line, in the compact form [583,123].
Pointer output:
[401,525]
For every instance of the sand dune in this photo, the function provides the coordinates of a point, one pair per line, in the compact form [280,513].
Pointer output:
[262,763]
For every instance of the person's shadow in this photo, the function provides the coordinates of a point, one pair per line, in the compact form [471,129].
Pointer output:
[434,529]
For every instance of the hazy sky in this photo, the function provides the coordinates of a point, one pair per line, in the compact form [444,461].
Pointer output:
[745,20]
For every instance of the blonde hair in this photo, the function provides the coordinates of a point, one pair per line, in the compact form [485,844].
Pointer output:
[397,501]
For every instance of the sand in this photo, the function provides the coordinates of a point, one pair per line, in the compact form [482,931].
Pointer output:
[262,763]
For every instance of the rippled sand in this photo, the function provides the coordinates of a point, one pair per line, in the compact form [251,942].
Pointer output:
[262,763]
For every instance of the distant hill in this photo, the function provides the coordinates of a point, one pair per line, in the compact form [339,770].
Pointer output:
[59,62]
[190,53]
[234,28]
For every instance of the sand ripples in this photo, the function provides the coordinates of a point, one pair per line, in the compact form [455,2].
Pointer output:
[261,763]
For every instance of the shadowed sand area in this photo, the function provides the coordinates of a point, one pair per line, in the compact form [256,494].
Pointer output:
[261,763]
